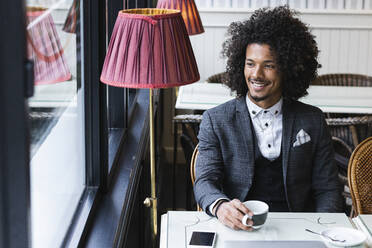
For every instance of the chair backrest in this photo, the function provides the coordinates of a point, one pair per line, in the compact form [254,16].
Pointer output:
[342,154]
[360,177]
[343,79]
[192,164]
[192,168]
[217,78]
[351,129]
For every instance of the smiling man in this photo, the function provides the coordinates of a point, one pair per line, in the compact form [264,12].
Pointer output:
[265,145]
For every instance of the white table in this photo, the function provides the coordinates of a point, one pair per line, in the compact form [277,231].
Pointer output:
[330,99]
[177,226]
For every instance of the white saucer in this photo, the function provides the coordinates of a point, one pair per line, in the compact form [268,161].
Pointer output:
[351,236]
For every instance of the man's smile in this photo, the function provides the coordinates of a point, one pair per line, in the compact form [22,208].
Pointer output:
[259,84]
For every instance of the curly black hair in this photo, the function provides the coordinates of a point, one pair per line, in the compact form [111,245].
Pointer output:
[294,48]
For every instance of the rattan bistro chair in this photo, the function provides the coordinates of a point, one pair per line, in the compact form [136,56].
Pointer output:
[350,128]
[360,177]
[192,169]
[217,78]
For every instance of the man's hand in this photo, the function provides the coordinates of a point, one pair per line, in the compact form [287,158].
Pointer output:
[231,214]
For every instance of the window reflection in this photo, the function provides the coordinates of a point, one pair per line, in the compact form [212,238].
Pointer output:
[57,167]
[44,48]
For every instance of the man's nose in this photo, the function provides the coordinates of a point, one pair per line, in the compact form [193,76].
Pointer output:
[257,72]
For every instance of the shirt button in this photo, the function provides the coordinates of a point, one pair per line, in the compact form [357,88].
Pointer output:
[269,145]
[254,112]
[276,111]
[266,124]
[265,111]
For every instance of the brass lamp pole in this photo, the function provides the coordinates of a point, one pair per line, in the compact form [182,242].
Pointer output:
[152,201]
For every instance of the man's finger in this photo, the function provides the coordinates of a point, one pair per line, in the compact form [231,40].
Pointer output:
[241,207]
[239,225]
[231,216]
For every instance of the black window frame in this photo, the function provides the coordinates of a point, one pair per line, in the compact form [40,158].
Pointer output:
[14,140]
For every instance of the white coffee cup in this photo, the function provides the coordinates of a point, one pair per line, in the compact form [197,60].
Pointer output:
[260,210]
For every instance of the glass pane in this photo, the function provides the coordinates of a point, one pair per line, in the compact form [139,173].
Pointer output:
[120,101]
[56,117]
[132,93]
[115,120]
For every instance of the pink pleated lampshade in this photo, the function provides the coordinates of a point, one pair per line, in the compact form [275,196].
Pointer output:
[149,48]
[190,13]
[44,48]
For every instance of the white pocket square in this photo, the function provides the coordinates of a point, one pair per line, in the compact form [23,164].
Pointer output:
[301,138]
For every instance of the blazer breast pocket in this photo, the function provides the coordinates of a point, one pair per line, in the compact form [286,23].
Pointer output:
[304,149]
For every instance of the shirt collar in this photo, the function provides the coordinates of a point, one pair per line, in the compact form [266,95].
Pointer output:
[254,110]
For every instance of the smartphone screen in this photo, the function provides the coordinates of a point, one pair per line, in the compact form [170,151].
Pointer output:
[202,238]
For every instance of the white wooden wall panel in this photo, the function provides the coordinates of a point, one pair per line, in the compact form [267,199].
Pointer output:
[302,4]
[344,39]
[334,4]
[259,3]
[353,4]
[298,4]
[368,4]
[316,4]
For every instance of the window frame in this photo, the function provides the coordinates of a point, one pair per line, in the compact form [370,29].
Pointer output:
[14,130]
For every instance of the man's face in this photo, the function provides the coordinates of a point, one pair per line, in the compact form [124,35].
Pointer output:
[262,75]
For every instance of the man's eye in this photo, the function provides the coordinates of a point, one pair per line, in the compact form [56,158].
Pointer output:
[270,66]
[249,64]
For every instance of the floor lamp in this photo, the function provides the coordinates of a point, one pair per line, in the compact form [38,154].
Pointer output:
[150,48]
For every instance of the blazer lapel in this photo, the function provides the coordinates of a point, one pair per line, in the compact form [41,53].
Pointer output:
[288,122]
[244,121]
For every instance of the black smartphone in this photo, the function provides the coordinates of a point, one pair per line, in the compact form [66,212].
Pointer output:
[202,239]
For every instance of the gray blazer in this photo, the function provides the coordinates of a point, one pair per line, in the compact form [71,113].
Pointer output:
[225,163]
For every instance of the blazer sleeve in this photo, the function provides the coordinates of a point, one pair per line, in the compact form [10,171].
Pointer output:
[209,166]
[325,184]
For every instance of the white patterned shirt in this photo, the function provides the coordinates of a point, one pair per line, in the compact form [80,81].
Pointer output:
[267,124]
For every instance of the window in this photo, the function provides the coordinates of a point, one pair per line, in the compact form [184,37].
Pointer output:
[56,113]
[57,198]
[14,173]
